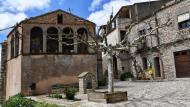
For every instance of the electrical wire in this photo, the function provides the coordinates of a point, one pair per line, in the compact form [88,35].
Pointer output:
[7,28]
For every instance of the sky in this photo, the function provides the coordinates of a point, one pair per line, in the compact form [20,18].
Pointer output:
[97,11]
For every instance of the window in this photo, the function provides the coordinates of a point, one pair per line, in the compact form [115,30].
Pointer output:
[68,39]
[33,86]
[113,24]
[157,67]
[52,40]
[142,32]
[16,43]
[145,64]
[184,24]
[59,19]
[122,35]
[82,35]
[36,40]
[12,47]
[184,21]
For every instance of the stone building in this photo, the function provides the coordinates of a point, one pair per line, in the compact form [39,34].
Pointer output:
[116,29]
[43,51]
[166,50]
[2,73]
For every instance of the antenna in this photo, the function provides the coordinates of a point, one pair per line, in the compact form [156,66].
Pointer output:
[111,16]
[112,10]
[69,10]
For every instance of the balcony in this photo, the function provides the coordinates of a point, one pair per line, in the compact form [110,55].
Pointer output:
[122,22]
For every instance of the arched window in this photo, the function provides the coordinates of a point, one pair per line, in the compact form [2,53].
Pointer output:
[12,46]
[16,43]
[68,41]
[82,35]
[52,40]
[36,40]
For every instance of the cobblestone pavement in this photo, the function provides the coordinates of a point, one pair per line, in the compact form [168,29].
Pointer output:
[141,94]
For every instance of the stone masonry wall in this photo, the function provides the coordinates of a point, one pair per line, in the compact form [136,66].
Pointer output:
[3,71]
[45,70]
[167,35]
[48,70]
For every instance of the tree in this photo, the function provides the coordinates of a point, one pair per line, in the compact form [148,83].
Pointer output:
[124,45]
[100,45]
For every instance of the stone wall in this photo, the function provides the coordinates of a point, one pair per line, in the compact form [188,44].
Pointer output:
[44,70]
[168,37]
[48,70]
[13,77]
[50,20]
[3,71]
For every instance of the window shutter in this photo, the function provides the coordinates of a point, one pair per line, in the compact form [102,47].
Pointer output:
[183,17]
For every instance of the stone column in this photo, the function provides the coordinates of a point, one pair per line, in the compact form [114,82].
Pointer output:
[75,41]
[119,67]
[44,40]
[60,33]
[110,73]
[82,86]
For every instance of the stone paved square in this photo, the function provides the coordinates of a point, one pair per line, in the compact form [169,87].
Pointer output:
[141,94]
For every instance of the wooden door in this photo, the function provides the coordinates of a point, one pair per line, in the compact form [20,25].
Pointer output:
[182,64]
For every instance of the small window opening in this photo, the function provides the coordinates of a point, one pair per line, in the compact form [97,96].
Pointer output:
[33,86]
[60,19]
[142,32]
[145,64]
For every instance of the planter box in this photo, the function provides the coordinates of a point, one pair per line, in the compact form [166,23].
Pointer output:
[106,97]
[149,80]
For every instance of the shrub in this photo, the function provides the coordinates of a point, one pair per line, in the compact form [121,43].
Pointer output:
[70,93]
[19,101]
[126,76]
[56,95]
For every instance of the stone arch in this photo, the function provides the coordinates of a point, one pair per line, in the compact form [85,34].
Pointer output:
[68,40]
[36,40]
[83,35]
[52,40]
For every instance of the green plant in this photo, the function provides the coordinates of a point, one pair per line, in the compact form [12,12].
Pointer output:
[126,76]
[20,101]
[56,95]
[70,93]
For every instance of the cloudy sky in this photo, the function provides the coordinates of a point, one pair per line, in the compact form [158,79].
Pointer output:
[98,11]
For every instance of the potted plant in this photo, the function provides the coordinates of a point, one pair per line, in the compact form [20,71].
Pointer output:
[126,76]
